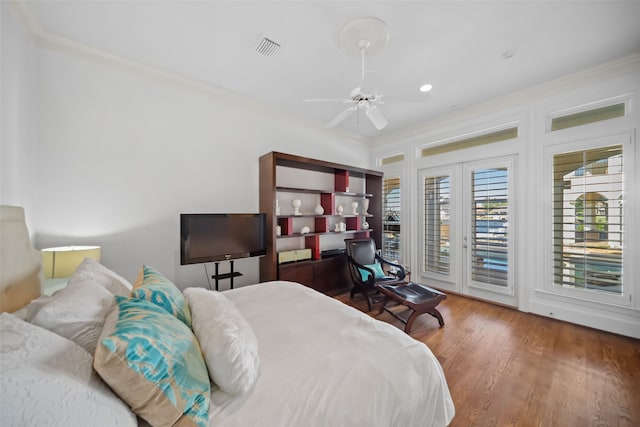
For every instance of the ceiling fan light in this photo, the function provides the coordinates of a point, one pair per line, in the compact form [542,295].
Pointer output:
[425,88]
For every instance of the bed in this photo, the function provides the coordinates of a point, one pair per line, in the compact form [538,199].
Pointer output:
[274,354]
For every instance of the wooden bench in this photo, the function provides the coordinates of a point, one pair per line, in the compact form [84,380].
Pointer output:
[419,299]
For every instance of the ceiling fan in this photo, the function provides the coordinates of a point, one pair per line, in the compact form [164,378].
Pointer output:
[362,36]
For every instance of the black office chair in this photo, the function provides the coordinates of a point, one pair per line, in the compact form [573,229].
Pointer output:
[366,269]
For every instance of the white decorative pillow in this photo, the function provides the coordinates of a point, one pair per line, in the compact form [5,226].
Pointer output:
[48,380]
[227,340]
[27,312]
[76,312]
[92,269]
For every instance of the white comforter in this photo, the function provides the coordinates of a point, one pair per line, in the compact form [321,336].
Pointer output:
[326,364]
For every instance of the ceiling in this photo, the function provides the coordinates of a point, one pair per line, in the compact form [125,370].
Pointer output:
[470,52]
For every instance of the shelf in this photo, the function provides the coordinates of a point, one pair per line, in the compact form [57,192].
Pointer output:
[323,233]
[329,185]
[308,191]
[324,215]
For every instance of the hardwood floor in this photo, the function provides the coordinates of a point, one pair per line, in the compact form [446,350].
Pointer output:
[508,368]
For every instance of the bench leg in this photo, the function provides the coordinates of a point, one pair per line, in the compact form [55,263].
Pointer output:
[432,311]
[435,313]
[410,320]
[385,301]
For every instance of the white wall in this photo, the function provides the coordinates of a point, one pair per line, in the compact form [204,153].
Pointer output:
[19,86]
[123,151]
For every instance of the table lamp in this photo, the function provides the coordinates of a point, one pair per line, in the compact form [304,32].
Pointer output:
[59,264]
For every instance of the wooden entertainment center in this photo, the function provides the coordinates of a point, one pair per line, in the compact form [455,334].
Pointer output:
[316,183]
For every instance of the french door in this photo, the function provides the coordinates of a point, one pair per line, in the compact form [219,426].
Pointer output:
[466,228]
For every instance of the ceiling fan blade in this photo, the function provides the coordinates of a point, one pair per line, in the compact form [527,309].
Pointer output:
[341,116]
[344,100]
[376,117]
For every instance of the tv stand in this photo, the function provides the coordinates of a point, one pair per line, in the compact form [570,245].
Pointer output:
[230,275]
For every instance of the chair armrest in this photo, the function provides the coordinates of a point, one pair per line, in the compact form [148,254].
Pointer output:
[400,272]
[371,280]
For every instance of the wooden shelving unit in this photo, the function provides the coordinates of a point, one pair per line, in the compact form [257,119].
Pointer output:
[326,274]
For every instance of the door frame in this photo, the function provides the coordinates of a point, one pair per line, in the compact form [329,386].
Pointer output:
[459,278]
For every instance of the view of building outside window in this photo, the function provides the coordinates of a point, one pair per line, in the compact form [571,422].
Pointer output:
[391,219]
[588,219]
[489,226]
[437,201]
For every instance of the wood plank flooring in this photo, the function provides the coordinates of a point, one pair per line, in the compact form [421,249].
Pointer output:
[508,368]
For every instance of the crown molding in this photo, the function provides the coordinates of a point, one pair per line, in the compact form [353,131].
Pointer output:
[625,65]
[45,40]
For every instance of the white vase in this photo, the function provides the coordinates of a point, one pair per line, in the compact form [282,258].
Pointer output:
[296,203]
[319,210]
[365,206]
[277,207]
[365,225]
[354,208]
[339,209]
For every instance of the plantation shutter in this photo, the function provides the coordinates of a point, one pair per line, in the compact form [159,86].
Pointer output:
[391,237]
[588,231]
[489,226]
[436,240]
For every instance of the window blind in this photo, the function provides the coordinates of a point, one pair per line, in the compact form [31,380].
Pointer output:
[588,201]
[489,226]
[436,241]
[391,236]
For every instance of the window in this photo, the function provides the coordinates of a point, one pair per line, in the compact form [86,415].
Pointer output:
[588,218]
[489,225]
[475,141]
[589,116]
[392,159]
[391,237]
[436,217]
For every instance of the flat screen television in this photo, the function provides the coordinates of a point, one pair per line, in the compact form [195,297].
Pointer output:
[209,237]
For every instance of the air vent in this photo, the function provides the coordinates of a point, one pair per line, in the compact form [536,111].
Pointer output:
[267,47]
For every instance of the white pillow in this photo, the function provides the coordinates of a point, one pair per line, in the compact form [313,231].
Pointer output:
[76,312]
[48,380]
[92,269]
[27,312]
[229,345]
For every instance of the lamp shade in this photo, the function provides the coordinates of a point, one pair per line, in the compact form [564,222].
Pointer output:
[62,261]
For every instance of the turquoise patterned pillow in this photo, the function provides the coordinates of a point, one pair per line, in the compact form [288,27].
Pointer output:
[152,286]
[154,363]
[377,271]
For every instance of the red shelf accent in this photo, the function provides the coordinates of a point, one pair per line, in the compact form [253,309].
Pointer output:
[354,223]
[286,226]
[328,203]
[322,224]
[364,234]
[313,243]
[342,181]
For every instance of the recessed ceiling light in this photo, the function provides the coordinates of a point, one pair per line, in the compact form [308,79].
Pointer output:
[426,88]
